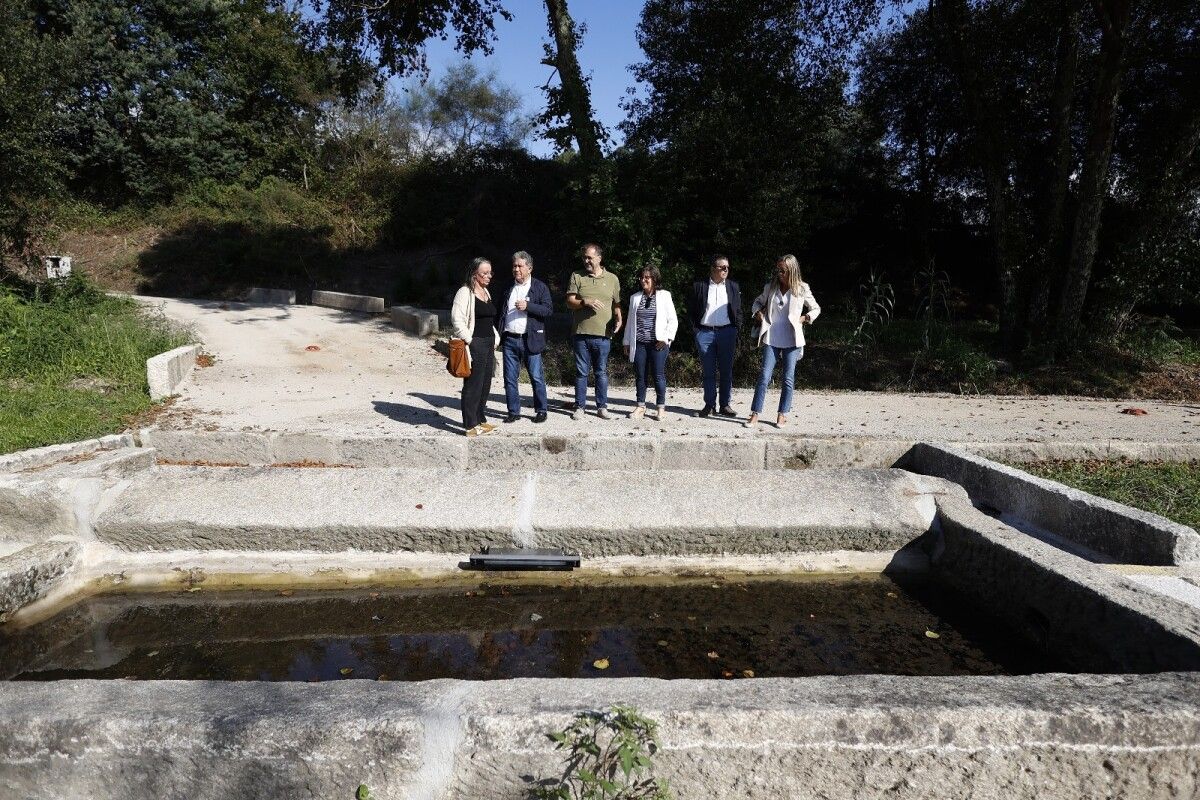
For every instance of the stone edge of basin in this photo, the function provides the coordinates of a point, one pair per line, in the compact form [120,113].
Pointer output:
[1044,736]
[598,452]
[1078,610]
[1126,534]
[166,372]
[40,456]
[32,572]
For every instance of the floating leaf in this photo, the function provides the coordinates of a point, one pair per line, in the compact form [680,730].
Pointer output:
[535,617]
[600,663]
[892,594]
[932,635]
[383,676]
[286,592]
[152,654]
[726,673]
[362,793]
[346,670]
[663,643]
[747,673]
[194,589]
[714,655]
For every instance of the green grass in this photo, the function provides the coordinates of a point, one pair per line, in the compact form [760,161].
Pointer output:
[73,363]
[1172,490]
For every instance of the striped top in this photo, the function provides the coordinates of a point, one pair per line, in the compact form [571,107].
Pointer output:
[645,319]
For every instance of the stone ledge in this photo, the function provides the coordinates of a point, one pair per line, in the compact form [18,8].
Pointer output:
[416,321]
[275,297]
[39,456]
[1048,737]
[166,371]
[348,302]
[455,511]
[1127,534]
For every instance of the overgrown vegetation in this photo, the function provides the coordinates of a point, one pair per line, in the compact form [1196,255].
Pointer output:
[73,362]
[1169,489]
[608,756]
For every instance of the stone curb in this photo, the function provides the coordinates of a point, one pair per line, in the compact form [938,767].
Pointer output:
[348,302]
[166,371]
[1127,534]
[38,456]
[283,297]
[1051,737]
[415,321]
[552,451]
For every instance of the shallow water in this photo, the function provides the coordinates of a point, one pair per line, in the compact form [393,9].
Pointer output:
[679,628]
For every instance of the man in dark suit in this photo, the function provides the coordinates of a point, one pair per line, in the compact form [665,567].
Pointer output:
[522,324]
[715,307]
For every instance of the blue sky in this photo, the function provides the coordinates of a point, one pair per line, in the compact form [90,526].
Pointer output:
[609,47]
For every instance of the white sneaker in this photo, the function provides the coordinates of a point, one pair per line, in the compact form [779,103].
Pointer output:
[577,414]
[602,413]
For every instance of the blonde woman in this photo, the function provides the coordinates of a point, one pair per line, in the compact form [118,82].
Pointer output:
[648,336]
[781,311]
[473,318]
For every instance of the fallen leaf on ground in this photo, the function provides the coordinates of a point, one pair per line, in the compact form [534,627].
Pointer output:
[312,348]
[1135,412]
[420,505]
[932,635]
[600,663]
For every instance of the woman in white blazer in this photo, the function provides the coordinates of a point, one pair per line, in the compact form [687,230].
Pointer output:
[781,311]
[649,330]
[473,318]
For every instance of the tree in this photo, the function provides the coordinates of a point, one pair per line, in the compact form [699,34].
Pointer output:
[170,92]
[30,157]
[744,121]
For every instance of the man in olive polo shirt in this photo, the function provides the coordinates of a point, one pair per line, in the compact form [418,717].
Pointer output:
[595,296]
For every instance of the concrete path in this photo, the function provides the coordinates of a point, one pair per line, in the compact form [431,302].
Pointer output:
[368,379]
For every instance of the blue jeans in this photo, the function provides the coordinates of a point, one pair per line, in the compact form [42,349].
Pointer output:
[514,353]
[647,359]
[790,357]
[591,353]
[716,355]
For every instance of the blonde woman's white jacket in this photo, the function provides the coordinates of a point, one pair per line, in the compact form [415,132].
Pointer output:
[666,323]
[462,316]
[801,304]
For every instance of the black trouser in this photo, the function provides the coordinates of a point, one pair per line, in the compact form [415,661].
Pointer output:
[476,388]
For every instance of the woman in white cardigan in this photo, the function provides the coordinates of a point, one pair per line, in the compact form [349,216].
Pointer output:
[649,330]
[473,318]
[781,311]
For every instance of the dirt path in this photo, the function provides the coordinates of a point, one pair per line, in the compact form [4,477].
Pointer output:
[365,377]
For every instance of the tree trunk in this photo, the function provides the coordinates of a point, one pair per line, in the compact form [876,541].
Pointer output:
[1093,183]
[987,131]
[576,98]
[1050,275]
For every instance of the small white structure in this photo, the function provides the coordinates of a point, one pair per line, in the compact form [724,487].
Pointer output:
[57,267]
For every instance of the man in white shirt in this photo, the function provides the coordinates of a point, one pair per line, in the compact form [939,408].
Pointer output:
[526,307]
[715,308]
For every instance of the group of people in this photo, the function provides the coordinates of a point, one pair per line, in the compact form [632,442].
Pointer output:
[517,327]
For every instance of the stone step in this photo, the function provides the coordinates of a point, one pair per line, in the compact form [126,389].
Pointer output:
[595,513]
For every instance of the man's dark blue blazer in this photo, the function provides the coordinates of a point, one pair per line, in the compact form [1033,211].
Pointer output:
[540,307]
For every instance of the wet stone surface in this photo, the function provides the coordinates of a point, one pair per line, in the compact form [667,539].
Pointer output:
[680,628]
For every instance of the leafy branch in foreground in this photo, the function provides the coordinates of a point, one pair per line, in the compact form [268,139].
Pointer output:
[608,756]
